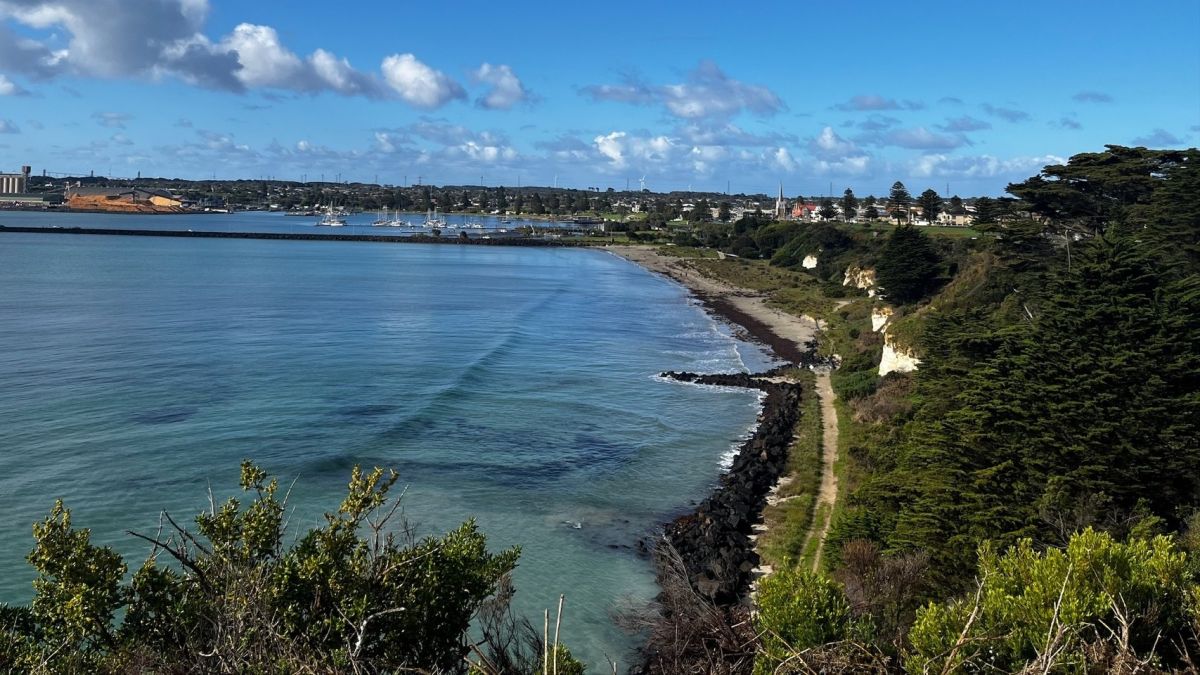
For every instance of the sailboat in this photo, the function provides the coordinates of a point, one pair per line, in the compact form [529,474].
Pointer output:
[382,221]
[432,219]
[331,219]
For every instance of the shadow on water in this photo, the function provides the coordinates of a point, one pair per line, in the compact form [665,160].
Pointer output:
[167,415]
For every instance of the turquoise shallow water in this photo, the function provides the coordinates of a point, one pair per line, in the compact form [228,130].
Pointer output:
[512,385]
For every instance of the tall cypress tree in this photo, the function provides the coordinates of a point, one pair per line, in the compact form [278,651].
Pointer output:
[898,201]
[908,265]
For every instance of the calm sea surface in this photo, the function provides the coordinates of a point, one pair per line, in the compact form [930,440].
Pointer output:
[513,385]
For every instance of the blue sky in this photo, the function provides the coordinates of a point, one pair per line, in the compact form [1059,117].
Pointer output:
[706,95]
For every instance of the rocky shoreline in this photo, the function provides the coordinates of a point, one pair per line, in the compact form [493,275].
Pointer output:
[714,541]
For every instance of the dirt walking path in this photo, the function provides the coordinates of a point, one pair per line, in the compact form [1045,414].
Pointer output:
[828,492]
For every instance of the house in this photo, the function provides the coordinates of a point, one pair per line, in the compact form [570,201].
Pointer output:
[803,210]
[964,219]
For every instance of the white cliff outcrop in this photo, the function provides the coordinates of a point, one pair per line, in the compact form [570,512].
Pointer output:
[860,277]
[880,317]
[809,262]
[896,359]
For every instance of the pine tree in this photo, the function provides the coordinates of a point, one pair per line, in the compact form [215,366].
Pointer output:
[931,205]
[827,212]
[985,211]
[898,201]
[908,265]
[849,205]
[870,210]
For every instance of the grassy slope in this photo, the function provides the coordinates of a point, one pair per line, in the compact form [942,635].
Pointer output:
[789,520]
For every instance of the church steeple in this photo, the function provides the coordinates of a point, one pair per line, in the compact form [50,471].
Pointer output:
[780,206]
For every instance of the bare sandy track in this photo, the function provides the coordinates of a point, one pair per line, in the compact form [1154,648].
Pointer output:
[827,493]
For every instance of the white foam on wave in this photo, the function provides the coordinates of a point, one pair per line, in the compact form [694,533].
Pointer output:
[728,456]
[707,387]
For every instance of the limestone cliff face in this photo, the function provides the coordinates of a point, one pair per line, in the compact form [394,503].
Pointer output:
[809,262]
[880,317]
[860,277]
[896,359]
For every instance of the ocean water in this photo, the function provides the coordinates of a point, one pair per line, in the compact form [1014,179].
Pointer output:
[513,385]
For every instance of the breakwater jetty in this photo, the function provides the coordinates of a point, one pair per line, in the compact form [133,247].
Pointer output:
[299,236]
[714,540]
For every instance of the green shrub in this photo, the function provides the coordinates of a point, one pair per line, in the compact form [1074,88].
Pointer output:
[798,610]
[1059,601]
[854,384]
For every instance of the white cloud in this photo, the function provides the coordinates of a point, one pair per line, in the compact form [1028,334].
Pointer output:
[828,145]
[419,85]
[9,88]
[783,160]
[112,120]
[107,38]
[165,38]
[964,123]
[263,60]
[1008,114]
[920,138]
[265,63]
[7,127]
[876,102]
[385,142]
[1159,138]
[339,75]
[507,89]
[980,166]
[837,156]
[623,150]
[612,146]
[707,93]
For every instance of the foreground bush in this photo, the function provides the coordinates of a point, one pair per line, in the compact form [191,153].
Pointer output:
[351,596]
[1098,605]
[798,610]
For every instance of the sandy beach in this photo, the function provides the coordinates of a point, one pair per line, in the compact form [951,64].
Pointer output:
[788,335]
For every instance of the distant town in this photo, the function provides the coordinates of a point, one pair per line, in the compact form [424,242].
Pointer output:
[607,208]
